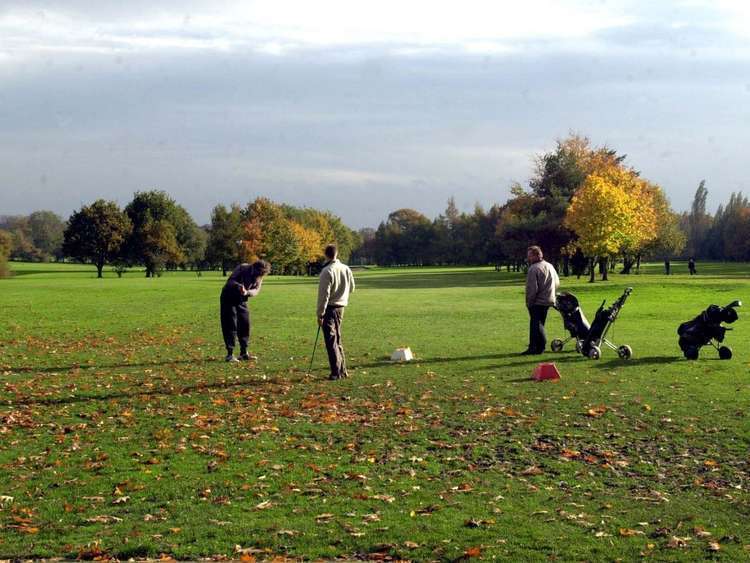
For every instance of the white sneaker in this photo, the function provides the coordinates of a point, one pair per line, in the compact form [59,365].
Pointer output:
[230,358]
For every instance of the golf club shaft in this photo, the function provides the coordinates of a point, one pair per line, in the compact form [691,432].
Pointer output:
[315,346]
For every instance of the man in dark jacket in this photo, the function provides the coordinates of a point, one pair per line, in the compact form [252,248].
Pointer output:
[245,282]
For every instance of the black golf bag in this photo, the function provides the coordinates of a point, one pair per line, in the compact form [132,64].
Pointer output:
[574,321]
[707,328]
[603,321]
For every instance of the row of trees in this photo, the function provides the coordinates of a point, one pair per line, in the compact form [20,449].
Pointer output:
[583,205]
[34,238]
[291,238]
[155,232]
[722,236]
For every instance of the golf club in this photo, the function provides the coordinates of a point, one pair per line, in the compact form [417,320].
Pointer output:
[317,335]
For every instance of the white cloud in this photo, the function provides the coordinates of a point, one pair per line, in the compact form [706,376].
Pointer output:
[277,26]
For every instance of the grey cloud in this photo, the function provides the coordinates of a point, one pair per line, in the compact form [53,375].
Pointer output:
[358,135]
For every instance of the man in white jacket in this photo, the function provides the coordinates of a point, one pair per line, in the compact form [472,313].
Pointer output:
[336,283]
[541,285]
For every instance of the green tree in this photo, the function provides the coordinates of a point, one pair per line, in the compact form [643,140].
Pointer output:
[151,212]
[670,238]
[22,247]
[226,230]
[160,246]
[46,233]
[699,223]
[6,242]
[403,238]
[96,233]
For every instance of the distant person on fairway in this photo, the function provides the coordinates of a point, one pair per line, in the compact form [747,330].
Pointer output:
[245,282]
[336,283]
[691,266]
[541,284]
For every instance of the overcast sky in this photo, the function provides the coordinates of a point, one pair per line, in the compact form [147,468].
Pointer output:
[361,107]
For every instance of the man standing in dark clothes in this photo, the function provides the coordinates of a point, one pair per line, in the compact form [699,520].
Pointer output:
[541,284]
[336,283]
[691,266]
[667,266]
[245,282]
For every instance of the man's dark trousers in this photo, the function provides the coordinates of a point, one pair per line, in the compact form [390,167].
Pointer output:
[537,334]
[331,326]
[235,322]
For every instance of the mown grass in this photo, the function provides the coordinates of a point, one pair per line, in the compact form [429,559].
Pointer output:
[123,434]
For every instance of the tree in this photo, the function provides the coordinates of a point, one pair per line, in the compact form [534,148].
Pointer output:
[96,233]
[46,234]
[22,247]
[559,174]
[309,245]
[6,242]
[730,227]
[670,239]
[612,212]
[223,248]
[737,241]
[403,238]
[699,222]
[151,212]
[366,249]
[160,246]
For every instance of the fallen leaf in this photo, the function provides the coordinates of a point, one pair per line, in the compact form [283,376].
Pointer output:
[473,552]
[596,412]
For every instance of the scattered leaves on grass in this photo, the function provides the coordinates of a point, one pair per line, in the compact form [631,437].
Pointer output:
[596,412]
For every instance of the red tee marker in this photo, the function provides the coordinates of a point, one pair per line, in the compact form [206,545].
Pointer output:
[545,371]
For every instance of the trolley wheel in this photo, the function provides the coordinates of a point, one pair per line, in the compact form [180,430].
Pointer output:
[557,345]
[625,352]
[691,352]
[725,353]
[595,353]
[579,345]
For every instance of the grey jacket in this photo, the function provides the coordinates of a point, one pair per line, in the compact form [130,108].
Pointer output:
[336,283]
[541,284]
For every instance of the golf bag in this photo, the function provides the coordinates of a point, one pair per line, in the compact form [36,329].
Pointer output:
[706,328]
[574,321]
[603,321]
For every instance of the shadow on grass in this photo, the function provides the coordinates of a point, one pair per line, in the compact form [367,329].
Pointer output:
[72,367]
[176,391]
[646,360]
[436,360]
[438,279]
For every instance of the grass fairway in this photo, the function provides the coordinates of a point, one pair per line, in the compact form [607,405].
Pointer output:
[123,434]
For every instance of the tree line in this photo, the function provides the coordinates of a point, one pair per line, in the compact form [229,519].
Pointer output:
[156,233]
[584,205]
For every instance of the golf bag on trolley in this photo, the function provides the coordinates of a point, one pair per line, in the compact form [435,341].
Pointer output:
[707,328]
[574,321]
[591,346]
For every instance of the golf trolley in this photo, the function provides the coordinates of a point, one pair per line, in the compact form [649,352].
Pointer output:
[706,328]
[591,347]
[574,321]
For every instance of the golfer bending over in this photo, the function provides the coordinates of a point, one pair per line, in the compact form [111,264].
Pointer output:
[336,283]
[245,282]
[541,284]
